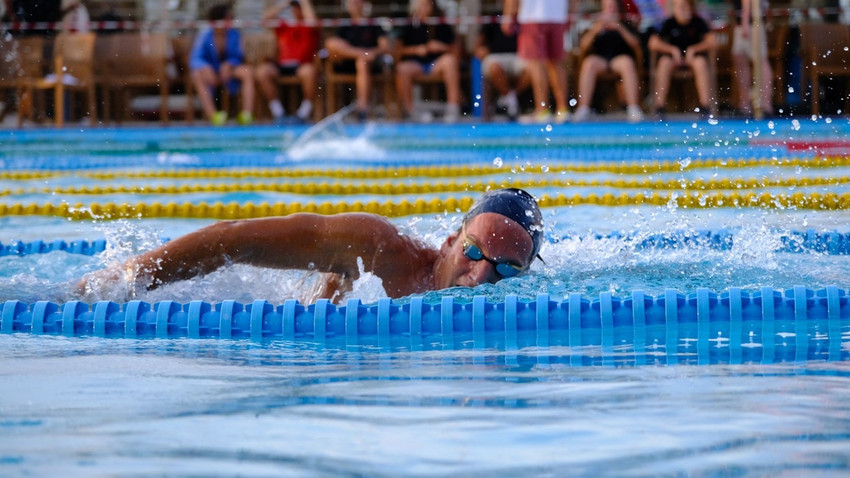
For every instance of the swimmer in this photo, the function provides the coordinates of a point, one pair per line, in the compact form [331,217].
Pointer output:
[498,238]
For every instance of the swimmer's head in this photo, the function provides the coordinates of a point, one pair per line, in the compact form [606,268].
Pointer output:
[515,204]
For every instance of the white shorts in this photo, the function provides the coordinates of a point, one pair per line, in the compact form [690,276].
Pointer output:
[744,46]
[510,62]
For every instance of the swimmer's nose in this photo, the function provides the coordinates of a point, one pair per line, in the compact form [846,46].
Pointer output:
[481,272]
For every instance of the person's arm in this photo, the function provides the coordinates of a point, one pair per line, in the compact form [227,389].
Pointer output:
[273,11]
[509,11]
[300,241]
[198,57]
[443,41]
[482,46]
[308,10]
[234,54]
[707,44]
[586,40]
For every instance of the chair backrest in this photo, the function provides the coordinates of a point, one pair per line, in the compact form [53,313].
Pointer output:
[76,51]
[21,58]
[824,44]
[139,55]
[259,47]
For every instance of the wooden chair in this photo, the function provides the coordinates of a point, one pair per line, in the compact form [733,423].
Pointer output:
[824,53]
[138,61]
[73,72]
[182,48]
[22,58]
[777,44]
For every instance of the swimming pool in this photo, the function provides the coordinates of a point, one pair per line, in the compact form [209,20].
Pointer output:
[708,210]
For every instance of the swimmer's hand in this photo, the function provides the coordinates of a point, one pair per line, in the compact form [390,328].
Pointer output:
[119,282]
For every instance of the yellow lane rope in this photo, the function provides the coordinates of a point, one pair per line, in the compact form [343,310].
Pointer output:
[829,201]
[617,167]
[387,188]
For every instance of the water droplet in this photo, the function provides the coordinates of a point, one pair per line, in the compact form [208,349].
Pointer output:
[497,161]
[573,102]
[795,124]
[545,168]
[548,128]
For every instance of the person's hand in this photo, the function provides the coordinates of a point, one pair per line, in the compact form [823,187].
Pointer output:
[677,56]
[115,282]
[689,55]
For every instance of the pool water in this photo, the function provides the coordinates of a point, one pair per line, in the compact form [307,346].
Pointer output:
[90,406]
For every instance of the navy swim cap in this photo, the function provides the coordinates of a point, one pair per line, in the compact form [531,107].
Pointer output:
[515,204]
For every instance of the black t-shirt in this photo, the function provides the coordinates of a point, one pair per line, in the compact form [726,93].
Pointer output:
[361,36]
[683,36]
[38,11]
[496,40]
[421,34]
[610,44]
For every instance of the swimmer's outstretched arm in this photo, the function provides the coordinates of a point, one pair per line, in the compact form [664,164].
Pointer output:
[300,241]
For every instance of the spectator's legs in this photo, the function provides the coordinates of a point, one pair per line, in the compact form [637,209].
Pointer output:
[624,65]
[699,64]
[246,77]
[266,74]
[204,80]
[497,77]
[306,72]
[558,81]
[405,71]
[447,67]
[663,73]
[539,86]
[590,69]
[363,69]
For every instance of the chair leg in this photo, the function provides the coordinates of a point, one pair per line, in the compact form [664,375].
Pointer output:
[59,104]
[816,93]
[163,112]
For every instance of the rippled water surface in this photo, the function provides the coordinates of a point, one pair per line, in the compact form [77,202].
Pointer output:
[154,407]
[101,407]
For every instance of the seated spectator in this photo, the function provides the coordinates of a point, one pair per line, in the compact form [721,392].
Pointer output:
[297,46]
[684,41]
[609,45]
[501,66]
[217,60]
[428,50]
[358,48]
[743,54]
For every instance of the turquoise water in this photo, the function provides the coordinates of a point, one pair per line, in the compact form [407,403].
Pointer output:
[116,407]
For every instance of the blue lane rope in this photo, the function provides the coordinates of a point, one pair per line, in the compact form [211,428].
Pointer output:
[810,241]
[735,326]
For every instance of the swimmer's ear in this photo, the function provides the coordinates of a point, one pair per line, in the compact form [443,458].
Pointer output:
[449,242]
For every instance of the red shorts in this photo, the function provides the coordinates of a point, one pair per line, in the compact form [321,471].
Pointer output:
[541,41]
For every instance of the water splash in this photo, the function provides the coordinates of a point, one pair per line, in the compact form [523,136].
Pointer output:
[329,138]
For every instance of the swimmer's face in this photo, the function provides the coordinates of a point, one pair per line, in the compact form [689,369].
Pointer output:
[498,238]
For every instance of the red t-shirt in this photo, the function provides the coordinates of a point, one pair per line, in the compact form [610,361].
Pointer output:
[296,44]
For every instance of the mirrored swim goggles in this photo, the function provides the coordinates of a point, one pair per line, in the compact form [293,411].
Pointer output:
[472,252]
